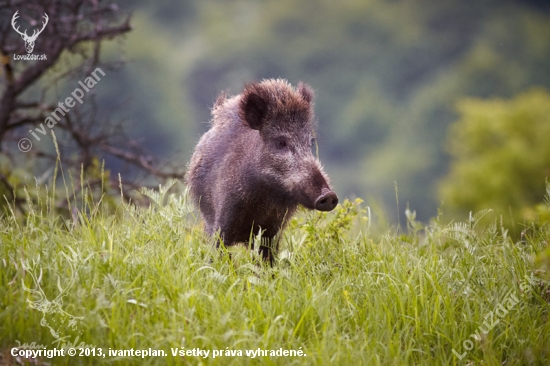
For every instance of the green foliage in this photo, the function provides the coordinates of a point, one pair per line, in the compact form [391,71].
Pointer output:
[147,277]
[333,226]
[386,76]
[501,156]
[82,188]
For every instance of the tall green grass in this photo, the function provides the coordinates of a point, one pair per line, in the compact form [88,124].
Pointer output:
[340,292]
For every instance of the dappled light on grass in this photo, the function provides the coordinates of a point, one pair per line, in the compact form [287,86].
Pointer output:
[148,277]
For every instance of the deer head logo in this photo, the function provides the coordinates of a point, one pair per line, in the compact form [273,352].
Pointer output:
[53,315]
[29,40]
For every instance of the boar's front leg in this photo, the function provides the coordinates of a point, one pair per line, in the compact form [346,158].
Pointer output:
[233,233]
[268,247]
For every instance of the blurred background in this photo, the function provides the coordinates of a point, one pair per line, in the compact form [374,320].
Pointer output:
[445,102]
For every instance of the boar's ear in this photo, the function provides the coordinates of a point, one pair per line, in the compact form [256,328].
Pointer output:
[253,109]
[306,91]
[220,100]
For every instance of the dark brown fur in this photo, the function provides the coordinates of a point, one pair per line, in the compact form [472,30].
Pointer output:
[252,169]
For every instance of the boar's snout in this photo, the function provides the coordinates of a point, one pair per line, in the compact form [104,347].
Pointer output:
[327,201]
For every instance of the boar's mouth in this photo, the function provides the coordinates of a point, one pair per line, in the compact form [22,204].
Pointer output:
[316,194]
[305,184]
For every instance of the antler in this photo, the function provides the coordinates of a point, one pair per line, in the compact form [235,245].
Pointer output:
[71,280]
[15,16]
[42,299]
[36,33]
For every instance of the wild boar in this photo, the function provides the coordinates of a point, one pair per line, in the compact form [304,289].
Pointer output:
[255,165]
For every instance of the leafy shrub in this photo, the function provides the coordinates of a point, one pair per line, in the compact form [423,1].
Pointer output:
[501,156]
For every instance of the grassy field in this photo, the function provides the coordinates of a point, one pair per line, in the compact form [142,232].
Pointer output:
[341,292]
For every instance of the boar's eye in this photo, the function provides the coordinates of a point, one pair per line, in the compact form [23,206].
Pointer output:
[280,143]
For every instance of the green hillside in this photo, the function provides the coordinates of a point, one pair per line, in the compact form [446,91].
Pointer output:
[387,76]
